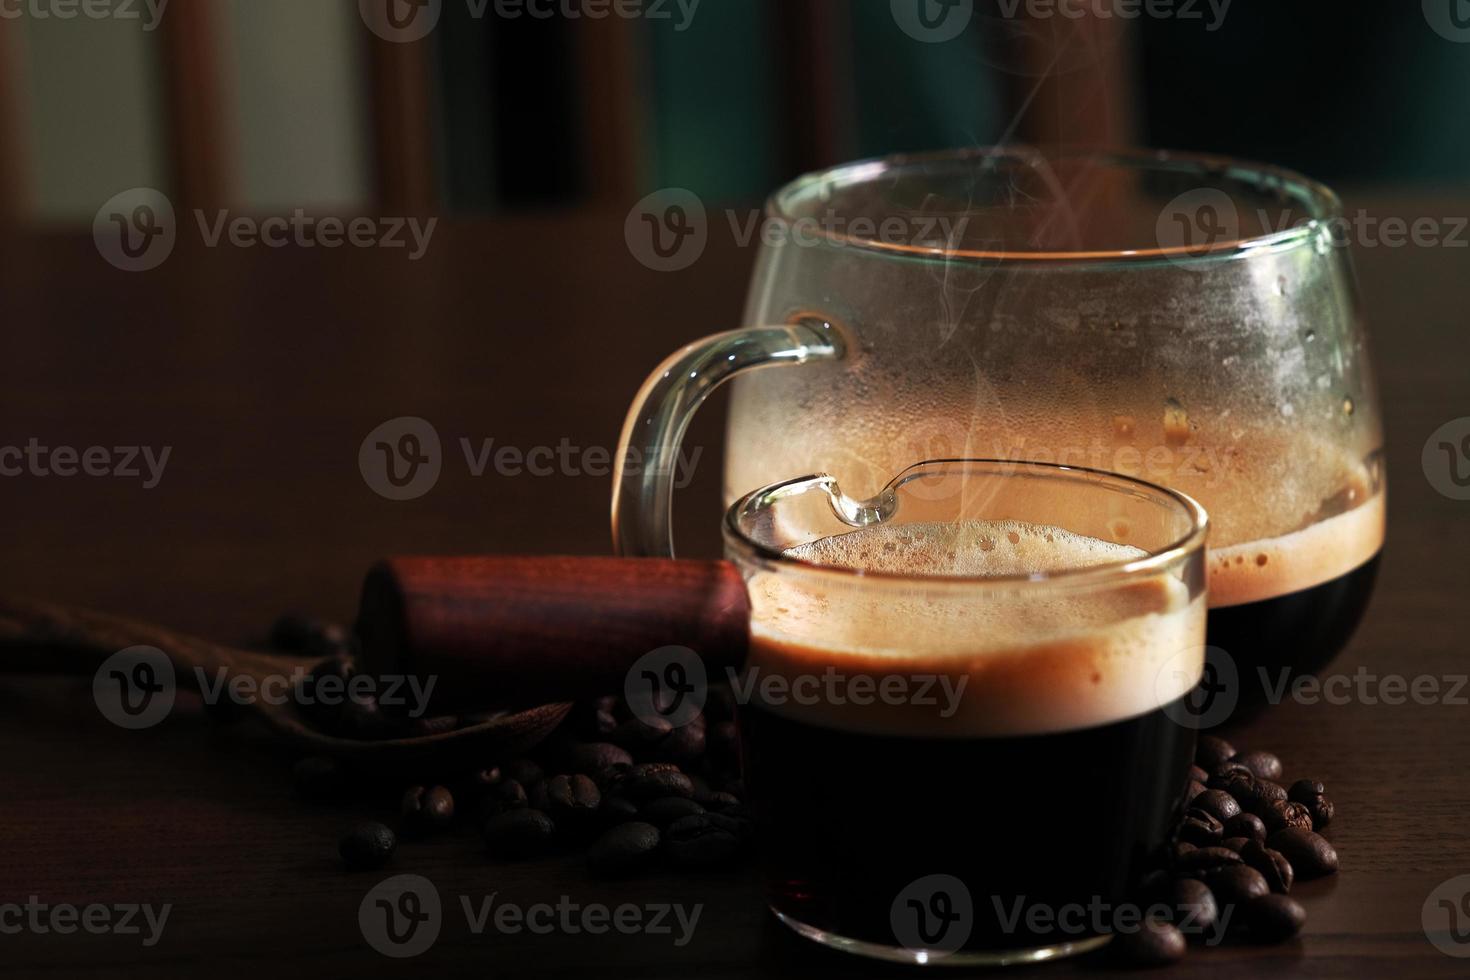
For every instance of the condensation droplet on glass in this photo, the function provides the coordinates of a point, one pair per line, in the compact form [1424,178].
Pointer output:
[1310,336]
[1348,405]
[1176,423]
[1281,285]
[1288,409]
[1120,528]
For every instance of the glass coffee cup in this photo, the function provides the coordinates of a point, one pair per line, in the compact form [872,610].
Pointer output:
[1188,320]
[967,699]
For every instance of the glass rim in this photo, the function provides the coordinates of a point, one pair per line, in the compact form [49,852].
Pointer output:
[1324,204]
[1193,540]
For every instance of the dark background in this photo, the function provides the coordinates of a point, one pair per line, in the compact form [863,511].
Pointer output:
[530,321]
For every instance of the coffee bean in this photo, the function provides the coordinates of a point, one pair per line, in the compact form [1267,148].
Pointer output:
[1236,884]
[683,744]
[572,801]
[1206,859]
[1219,804]
[1211,751]
[741,826]
[1263,797]
[616,810]
[639,736]
[1200,827]
[1153,943]
[508,794]
[665,811]
[524,771]
[1309,853]
[1192,905]
[367,846]
[519,834]
[1274,918]
[623,849]
[320,778]
[1245,825]
[1263,765]
[1322,811]
[590,758]
[1192,791]
[1281,814]
[649,781]
[1235,843]
[1303,790]
[426,810]
[610,778]
[1198,775]
[699,842]
[1238,782]
[431,725]
[483,779]
[1182,848]
[1272,865]
[721,802]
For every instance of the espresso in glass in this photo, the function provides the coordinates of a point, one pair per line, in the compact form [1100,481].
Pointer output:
[955,719]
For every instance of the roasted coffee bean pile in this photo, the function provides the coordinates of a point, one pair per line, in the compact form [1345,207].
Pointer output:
[629,792]
[1243,841]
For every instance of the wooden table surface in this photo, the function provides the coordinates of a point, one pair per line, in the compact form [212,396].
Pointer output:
[264,369]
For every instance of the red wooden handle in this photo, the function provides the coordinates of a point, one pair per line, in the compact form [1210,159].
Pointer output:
[503,632]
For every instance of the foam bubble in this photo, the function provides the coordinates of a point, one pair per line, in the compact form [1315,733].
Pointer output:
[969,549]
[1318,553]
[1026,659]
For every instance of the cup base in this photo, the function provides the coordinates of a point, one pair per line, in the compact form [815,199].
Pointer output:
[918,957]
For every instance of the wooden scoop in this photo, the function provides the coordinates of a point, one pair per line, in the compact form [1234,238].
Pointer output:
[528,635]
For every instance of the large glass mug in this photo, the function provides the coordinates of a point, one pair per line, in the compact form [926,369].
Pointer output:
[1189,320]
[936,683]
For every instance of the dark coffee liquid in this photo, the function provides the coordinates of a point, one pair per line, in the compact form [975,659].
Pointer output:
[847,821]
[1298,633]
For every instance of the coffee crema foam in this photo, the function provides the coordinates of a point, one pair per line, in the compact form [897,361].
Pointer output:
[1309,505]
[1034,658]
[1318,553]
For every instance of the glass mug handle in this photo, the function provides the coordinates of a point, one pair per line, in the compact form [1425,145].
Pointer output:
[642,502]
